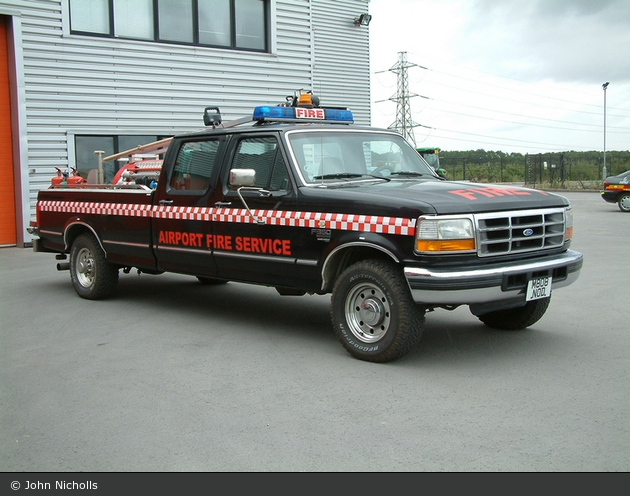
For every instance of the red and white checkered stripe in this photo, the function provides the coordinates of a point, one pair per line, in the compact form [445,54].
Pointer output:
[319,220]
[342,222]
[238,215]
[182,213]
[123,209]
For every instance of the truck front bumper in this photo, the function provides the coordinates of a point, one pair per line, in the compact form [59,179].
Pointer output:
[474,285]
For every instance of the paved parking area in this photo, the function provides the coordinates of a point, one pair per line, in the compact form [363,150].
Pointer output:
[171,375]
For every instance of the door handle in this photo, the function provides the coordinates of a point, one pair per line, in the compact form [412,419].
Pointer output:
[165,202]
[222,204]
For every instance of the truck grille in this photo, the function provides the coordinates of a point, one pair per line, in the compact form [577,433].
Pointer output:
[520,231]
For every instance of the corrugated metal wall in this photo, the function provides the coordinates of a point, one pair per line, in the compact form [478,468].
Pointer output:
[341,68]
[89,85]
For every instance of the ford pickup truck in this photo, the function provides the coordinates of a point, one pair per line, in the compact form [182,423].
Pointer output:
[298,198]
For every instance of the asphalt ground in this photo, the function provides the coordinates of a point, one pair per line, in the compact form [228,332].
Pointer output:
[174,376]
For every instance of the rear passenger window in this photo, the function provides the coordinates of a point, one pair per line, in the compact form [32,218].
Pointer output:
[194,165]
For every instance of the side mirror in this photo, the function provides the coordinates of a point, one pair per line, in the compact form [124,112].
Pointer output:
[242,177]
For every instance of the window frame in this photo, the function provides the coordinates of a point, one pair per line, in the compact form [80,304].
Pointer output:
[268,8]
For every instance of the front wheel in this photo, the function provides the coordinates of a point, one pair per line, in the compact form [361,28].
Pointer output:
[373,313]
[514,319]
[624,202]
[93,277]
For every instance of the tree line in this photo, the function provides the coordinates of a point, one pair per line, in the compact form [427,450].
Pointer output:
[551,168]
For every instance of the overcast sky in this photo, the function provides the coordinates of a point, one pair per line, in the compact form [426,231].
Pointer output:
[512,75]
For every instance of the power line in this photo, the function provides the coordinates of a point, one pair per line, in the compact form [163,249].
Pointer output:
[596,126]
[547,97]
[538,95]
[404,120]
[494,96]
[522,143]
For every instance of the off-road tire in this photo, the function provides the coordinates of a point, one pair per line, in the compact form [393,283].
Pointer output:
[373,313]
[515,319]
[93,277]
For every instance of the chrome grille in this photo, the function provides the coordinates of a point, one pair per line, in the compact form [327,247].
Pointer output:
[503,233]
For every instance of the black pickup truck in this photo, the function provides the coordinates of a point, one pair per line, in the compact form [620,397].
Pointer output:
[298,198]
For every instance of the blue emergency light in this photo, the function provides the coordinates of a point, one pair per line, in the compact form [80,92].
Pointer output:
[303,114]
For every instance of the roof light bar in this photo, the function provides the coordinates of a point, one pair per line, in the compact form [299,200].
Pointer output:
[302,114]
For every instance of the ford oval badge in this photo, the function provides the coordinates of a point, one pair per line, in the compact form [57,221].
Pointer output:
[528,232]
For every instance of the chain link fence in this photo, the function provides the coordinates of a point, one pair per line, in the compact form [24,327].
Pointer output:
[567,170]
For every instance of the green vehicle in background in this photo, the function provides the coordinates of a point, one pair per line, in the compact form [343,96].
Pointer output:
[432,156]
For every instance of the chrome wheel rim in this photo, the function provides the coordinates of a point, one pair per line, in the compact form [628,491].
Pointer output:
[85,267]
[367,312]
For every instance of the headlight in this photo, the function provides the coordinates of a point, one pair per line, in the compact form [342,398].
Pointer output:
[445,235]
[568,233]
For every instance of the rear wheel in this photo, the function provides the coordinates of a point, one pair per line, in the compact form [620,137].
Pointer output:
[624,202]
[93,277]
[373,313]
[514,319]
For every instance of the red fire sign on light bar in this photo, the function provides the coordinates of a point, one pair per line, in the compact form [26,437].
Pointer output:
[309,113]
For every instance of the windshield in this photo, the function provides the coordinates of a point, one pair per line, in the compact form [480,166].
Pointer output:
[346,155]
[432,160]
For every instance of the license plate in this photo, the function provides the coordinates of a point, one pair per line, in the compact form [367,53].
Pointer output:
[538,288]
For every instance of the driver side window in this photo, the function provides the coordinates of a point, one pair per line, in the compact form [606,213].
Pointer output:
[263,155]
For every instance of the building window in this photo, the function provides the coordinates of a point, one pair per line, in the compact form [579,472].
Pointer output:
[134,19]
[175,21]
[86,159]
[215,23]
[236,24]
[250,32]
[90,16]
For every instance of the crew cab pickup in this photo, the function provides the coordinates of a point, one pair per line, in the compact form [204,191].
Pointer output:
[298,198]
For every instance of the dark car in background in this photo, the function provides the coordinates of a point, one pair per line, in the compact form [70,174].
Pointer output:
[617,190]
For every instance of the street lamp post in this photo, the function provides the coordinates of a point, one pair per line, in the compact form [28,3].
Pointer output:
[605,171]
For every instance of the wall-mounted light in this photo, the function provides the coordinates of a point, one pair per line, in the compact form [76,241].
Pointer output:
[363,20]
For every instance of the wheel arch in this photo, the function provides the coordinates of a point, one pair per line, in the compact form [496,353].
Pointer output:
[74,229]
[342,256]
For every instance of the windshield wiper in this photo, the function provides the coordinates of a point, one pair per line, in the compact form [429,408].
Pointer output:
[409,173]
[350,175]
[339,175]
[379,177]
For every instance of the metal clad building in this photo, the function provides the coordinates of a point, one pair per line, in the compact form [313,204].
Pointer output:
[61,86]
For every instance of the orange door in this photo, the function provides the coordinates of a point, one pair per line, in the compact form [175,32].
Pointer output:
[7,187]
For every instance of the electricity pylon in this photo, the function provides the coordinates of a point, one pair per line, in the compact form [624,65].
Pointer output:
[404,124]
